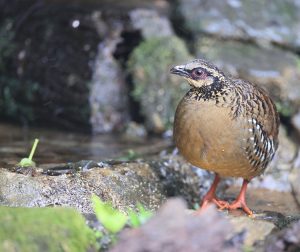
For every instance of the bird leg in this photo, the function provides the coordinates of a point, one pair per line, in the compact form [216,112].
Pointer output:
[211,196]
[240,201]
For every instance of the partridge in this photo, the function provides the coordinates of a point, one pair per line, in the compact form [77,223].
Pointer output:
[225,125]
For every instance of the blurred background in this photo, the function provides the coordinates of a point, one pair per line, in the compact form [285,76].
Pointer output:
[91,78]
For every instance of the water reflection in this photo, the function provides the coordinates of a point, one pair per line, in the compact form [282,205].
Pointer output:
[63,146]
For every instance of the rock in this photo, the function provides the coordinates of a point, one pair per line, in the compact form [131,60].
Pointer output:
[135,132]
[253,230]
[295,178]
[296,121]
[287,239]
[273,22]
[179,178]
[274,69]
[157,92]
[44,229]
[272,203]
[150,23]
[172,229]
[107,100]
[45,74]
[122,184]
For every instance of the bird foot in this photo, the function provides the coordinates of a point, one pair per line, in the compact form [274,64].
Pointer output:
[240,204]
[219,203]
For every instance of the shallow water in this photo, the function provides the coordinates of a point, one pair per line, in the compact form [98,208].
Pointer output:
[57,146]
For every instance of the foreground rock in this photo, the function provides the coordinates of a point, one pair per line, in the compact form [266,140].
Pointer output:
[172,229]
[44,229]
[124,185]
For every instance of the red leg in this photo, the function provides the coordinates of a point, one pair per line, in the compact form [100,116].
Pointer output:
[211,196]
[240,201]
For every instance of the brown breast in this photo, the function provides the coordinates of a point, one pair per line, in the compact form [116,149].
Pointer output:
[234,135]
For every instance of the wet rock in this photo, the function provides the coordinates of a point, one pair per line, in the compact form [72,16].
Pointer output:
[287,239]
[267,204]
[252,230]
[261,21]
[122,184]
[107,88]
[154,88]
[172,229]
[179,178]
[45,74]
[44,229]
[274,69]
[295,178]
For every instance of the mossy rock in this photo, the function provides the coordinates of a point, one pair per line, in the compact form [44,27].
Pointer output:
[44,229]
[154,88]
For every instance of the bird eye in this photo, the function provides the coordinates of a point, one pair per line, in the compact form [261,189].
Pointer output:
[197,72]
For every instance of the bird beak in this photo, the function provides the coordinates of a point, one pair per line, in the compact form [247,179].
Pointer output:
[179,70]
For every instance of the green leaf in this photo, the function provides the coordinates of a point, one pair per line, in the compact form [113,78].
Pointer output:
[134,219]
[144,214]
[26,162]
[112,219]
[139,218]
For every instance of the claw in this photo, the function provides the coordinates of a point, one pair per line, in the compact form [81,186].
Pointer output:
[240,202]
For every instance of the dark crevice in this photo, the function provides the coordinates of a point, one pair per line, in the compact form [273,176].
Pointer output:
[130,40]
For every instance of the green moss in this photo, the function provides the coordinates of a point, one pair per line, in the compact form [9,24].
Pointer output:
[285,109]
[155,89]
[44,229]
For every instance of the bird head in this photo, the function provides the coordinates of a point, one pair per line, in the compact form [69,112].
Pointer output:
[199,73]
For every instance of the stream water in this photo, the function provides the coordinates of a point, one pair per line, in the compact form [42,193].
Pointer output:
[57,146]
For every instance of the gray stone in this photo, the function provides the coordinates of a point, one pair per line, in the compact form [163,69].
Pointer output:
[295,179]
[108,100]
[179,178]
[271,21]
[172,229]
[274,69]
[150,23]
[253,229]
[296,121]
[123,185]
[286,240]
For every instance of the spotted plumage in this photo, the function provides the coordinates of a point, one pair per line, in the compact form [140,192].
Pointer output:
[225,125]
